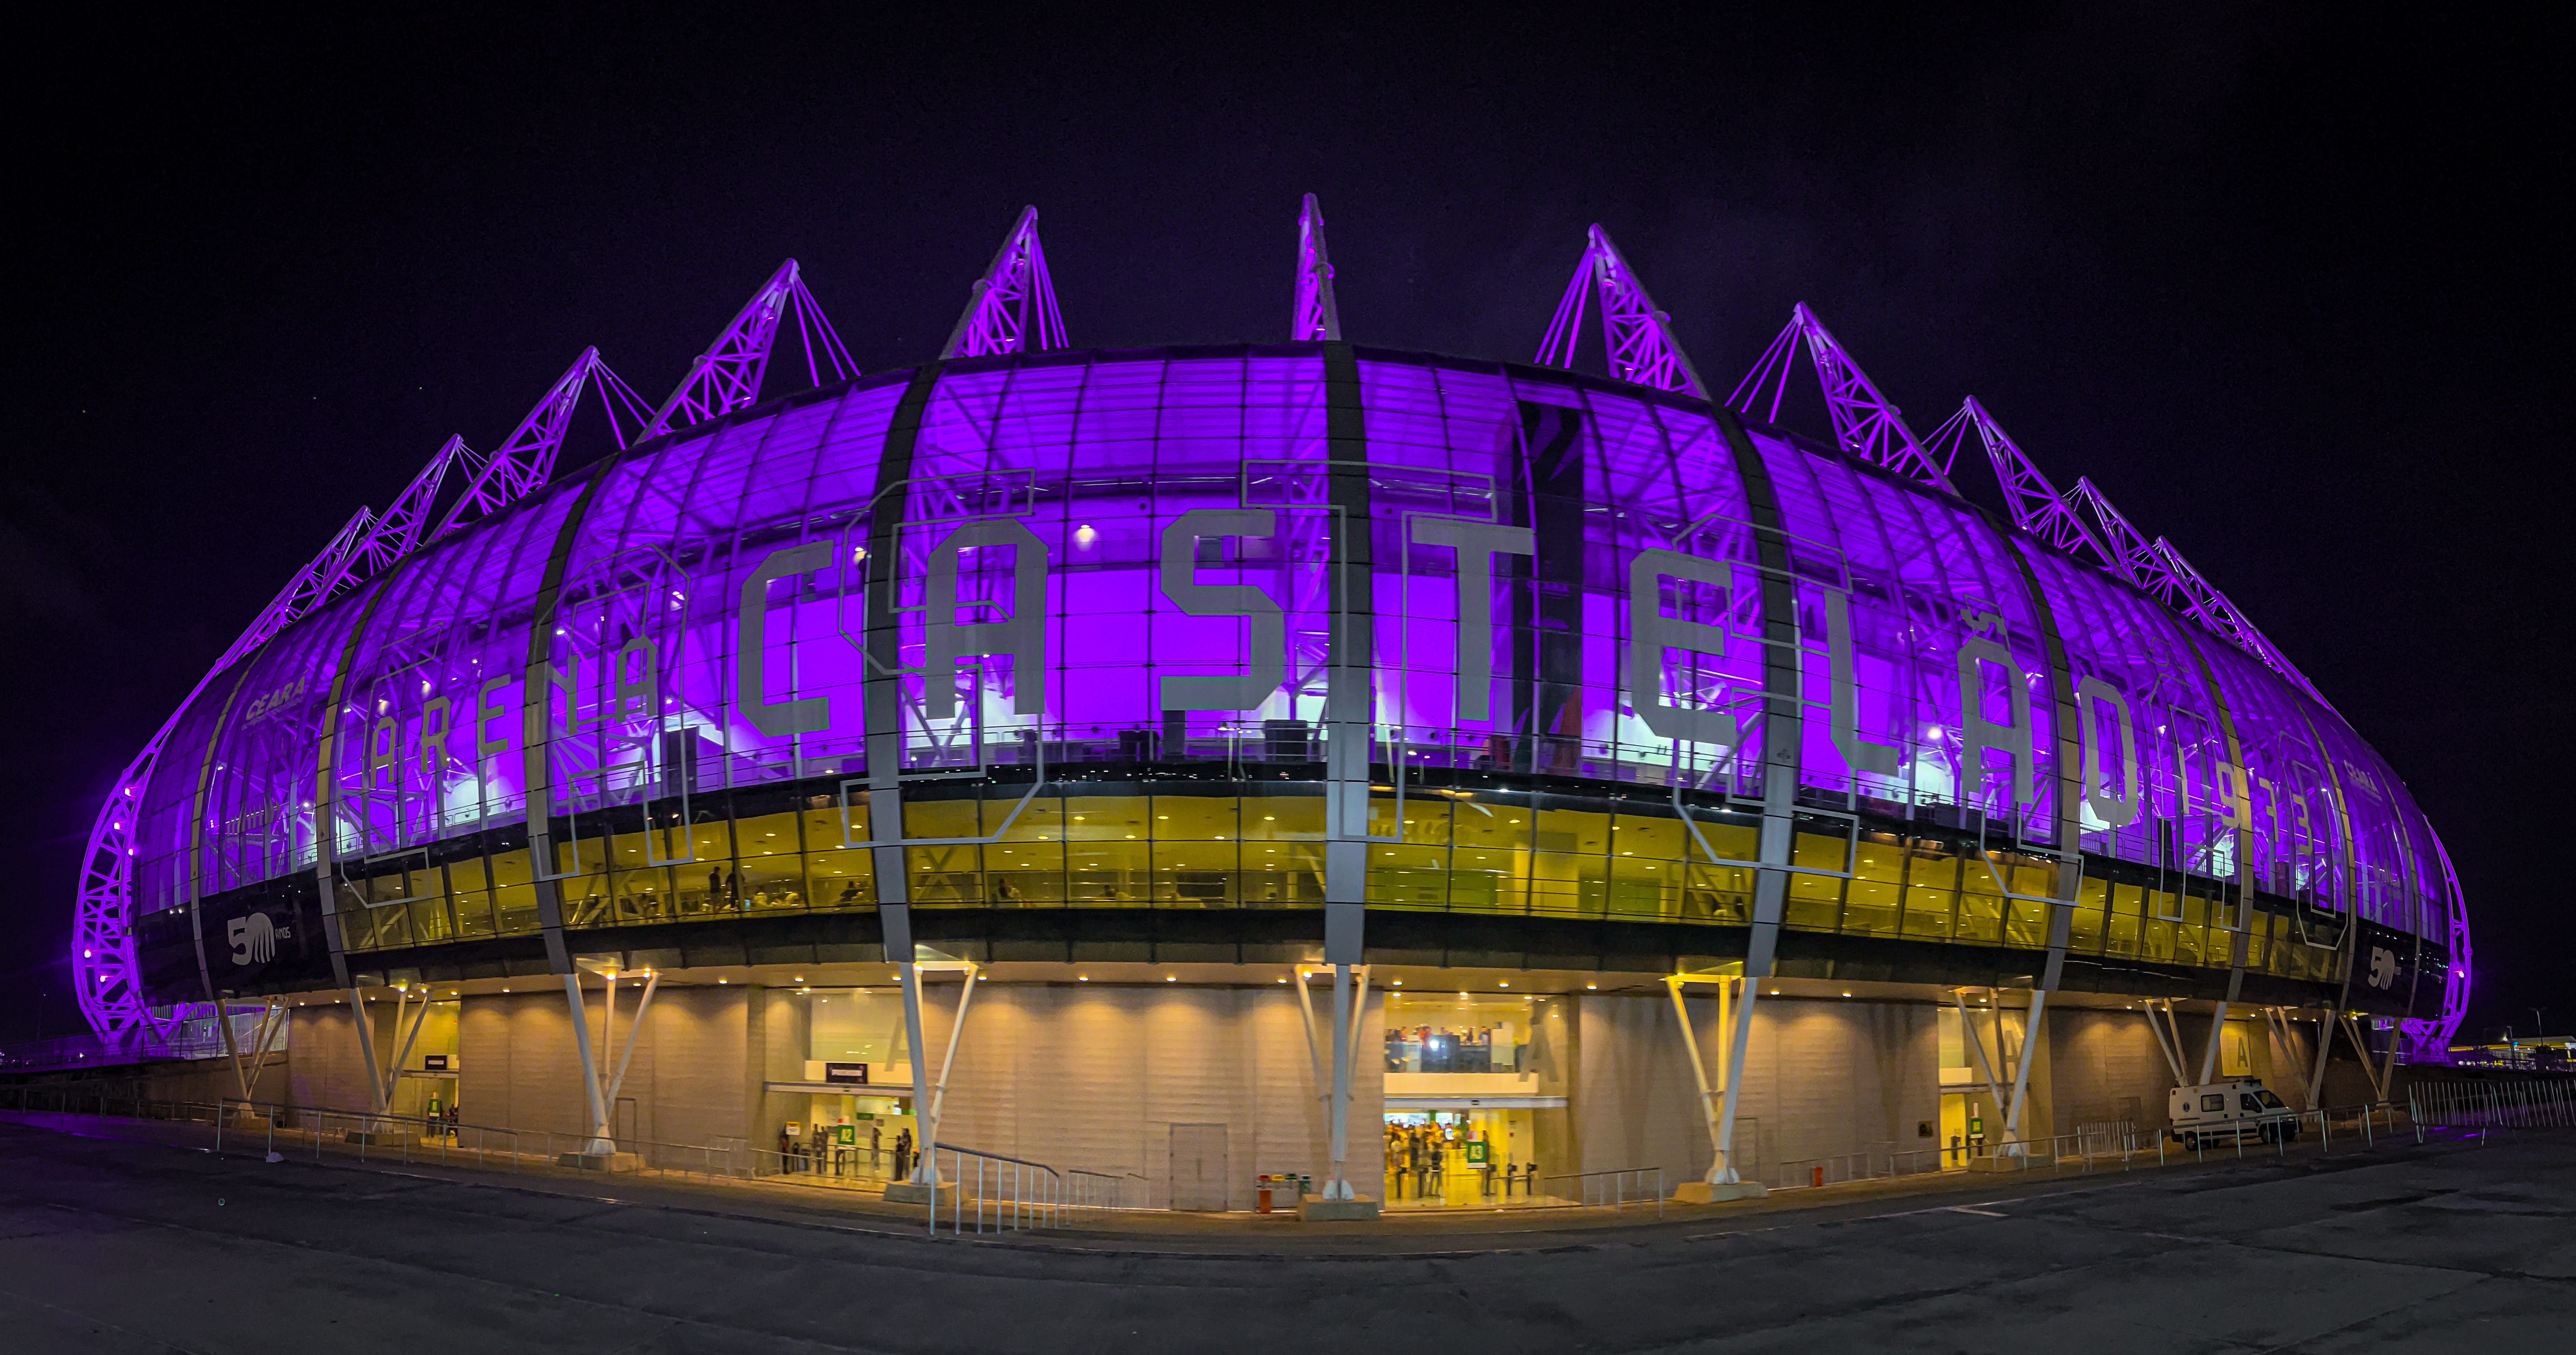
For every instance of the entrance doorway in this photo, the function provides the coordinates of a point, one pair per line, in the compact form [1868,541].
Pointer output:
[1198,1167]
[1465,1158]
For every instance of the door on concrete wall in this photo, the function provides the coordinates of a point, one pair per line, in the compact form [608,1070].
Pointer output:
[623,1124]
[1198,1167]
[1954,1131]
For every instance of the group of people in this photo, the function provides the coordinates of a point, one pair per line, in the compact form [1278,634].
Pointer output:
[724,895]
[1452,1049]
[1417,1164]
[820,1152]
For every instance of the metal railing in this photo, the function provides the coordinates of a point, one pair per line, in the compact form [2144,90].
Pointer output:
[2534,1104]
[1617,1188]
[1015,1193]
[850,1168]
[191,1034]
[273,1127]
[2104,1146]
[982,1192]
[1102,1192]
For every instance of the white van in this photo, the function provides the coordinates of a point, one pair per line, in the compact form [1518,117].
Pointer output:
[2224,1112]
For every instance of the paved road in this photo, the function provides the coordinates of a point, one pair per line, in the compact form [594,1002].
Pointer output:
[110,1246]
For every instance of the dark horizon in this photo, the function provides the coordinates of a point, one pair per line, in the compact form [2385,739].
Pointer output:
[2281,286]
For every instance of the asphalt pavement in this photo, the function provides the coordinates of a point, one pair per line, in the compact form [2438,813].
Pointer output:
[110,1244]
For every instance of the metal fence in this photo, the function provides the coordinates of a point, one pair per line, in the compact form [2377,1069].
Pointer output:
[1011,1194]
[982,1192]
[276,1128]
[2100,1146]
[2536,1104]
[1617,1188]
[190,1034]
[1090,1192]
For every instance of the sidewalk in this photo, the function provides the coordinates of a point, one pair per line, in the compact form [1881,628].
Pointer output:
[1155,1231]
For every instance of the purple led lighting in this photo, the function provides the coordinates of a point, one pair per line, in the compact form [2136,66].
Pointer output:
[1866,424]
[1011,309]
[525,460]
[2430,1041]
[1635,335]
[405,712]
[2036,506]
[1314,317]
[727,376]
[2131,557]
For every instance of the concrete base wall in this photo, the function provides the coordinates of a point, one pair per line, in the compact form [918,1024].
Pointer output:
[1096,1076]
[1820,1079]
[694,1078]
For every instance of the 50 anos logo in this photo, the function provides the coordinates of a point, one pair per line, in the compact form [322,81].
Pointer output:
[254,938]
[2383,967]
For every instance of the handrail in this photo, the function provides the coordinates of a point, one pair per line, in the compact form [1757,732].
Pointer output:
[1021,1198]
[413,1137]
[1085,1196]
[1618,1178]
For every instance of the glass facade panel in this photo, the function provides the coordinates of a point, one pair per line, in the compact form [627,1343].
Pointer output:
[1131,567]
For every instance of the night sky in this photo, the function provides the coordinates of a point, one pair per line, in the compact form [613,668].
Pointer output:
[2285,284]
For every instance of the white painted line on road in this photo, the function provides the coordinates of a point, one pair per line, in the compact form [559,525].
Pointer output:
[1981,1213]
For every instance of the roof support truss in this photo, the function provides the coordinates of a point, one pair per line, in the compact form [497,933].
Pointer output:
[727,376]
[1011,309]
[1315,317]
[1866,423]
[2431,1040]
[2131,557]
[105,978]
[2036,506]
[1637,337]
[2202,602]
[525,460]
[398,529]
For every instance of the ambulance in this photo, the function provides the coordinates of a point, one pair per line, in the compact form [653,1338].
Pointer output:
[2231,1111]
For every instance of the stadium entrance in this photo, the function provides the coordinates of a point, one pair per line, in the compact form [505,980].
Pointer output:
[1464,1157]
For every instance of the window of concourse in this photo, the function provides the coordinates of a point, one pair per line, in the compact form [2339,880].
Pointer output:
[1233,846]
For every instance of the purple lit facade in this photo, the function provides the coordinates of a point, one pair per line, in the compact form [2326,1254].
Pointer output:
[1244,658]
[589,644]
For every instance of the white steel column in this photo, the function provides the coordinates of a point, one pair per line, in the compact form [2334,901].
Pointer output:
[1737,1036]
[367,1051]
[2378,1073]
[2168,1045]
[599,1140]
[634,1031]
[393,1075]
[2209,1054]
[1333,1086]
[1977,1042]
[956,1028]
[1345,1036]
[924,1169]
[2325,1045]
[928,1097]
[2031,1031]
[1717,1103]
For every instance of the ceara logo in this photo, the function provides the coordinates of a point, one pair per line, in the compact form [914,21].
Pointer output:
[254,938]
[2383,967]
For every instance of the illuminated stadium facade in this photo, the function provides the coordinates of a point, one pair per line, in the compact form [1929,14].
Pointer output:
[1666,786]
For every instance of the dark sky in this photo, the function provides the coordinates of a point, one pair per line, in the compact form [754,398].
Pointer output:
[2285,283]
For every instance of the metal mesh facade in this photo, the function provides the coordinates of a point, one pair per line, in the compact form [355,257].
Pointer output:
[644,650]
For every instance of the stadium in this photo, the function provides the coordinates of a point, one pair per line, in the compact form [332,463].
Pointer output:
[1197,764]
